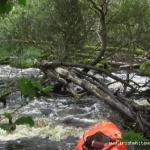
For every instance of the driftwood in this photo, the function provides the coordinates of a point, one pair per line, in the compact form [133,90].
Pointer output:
[46,65]
[70,74]
[95,90]
[123,65]
[128,66]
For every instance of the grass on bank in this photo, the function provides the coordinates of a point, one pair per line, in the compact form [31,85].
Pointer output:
[132,136]
[145,68]
[21,59]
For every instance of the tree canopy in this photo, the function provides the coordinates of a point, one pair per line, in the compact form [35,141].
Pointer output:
[62,30]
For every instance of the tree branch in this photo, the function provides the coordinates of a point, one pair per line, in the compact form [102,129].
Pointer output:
[98,9]
[45,65]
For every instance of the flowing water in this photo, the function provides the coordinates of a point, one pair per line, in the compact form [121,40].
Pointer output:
[58,121]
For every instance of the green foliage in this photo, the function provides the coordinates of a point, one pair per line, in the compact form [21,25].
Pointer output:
[47,89]
[24,59]
[145,68]
[22,63]
[26,87]
[86,60]
[11,125]
[72,25]
[8,127]
[27,58]
[32,87]
[132,136]
[100,65]
[5,7]
[139,51]
[129,23]
[31,52]
[25,120]
[5,51]
[22,2]
[104,65]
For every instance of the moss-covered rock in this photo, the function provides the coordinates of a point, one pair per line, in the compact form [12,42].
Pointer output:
[104,65]
[145,68]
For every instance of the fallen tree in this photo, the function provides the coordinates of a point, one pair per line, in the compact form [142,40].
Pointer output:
[72,74]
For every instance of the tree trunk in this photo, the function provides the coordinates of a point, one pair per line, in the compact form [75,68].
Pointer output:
[103,36]
[96,91]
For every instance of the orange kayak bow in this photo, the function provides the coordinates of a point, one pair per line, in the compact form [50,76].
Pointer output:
[103,135]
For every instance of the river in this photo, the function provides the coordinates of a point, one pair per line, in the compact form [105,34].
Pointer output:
[58,121]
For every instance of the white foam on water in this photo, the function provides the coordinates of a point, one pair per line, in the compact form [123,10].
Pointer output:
[141,80]
[142,102]
[6,71]
[57,132]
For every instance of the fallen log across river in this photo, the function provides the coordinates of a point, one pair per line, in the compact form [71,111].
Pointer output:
[72,74]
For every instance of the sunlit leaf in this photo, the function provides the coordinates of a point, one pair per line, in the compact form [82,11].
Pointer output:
[36,84]
[47,89]
[25,120]
[26,87]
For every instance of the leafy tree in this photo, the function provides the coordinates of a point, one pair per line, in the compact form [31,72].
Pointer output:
[71,24]
[64,29]
[6,5]
[129,24]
